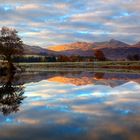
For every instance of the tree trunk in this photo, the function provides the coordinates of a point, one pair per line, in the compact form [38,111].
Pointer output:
[11,68]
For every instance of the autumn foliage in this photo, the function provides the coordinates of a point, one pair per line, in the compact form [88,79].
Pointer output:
[100,55]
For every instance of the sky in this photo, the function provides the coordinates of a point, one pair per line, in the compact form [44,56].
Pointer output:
[53,22]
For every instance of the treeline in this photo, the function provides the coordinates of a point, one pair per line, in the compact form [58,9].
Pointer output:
[135,57]
[99,56]
[31,59]
[60,58]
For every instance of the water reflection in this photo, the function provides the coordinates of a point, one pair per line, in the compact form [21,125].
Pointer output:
[11,95]
[79,105]
[80,78]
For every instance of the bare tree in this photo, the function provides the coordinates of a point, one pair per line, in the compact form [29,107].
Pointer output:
[10,45]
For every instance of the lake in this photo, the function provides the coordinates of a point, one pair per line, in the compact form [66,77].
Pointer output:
[70,106]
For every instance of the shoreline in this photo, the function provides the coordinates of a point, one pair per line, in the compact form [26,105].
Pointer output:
[103,66]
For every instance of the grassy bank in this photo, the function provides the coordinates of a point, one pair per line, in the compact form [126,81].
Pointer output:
[117,63]
[104,66]
[89,66]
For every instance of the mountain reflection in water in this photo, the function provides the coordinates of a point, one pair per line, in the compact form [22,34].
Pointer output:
[80,78]
[71,106]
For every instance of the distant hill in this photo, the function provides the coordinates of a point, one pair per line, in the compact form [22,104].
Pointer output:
[137,45]
[78,48]
[36,50]
[113,49]
[112,44]
[117,50]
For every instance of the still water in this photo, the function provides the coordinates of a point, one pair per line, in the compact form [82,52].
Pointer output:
[70,106]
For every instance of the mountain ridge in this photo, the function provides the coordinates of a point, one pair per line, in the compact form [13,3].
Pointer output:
[112,49]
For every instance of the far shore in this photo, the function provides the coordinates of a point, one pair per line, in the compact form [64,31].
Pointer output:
[97,66]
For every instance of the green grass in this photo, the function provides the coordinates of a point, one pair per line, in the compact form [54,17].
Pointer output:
[95,62]
[84,64]
[117,63]
[80,66]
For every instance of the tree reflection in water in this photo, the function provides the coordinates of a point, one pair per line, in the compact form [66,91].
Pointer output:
[11,95]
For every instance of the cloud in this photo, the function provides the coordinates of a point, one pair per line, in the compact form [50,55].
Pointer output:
[43,22]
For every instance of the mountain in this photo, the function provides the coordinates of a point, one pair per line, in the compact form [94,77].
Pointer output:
[36,50]
[78,48]
[111,44]
[113,49]
[117,50]
[137,45]
[73,46]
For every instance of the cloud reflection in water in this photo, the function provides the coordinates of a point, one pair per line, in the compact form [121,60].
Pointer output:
[55,110]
